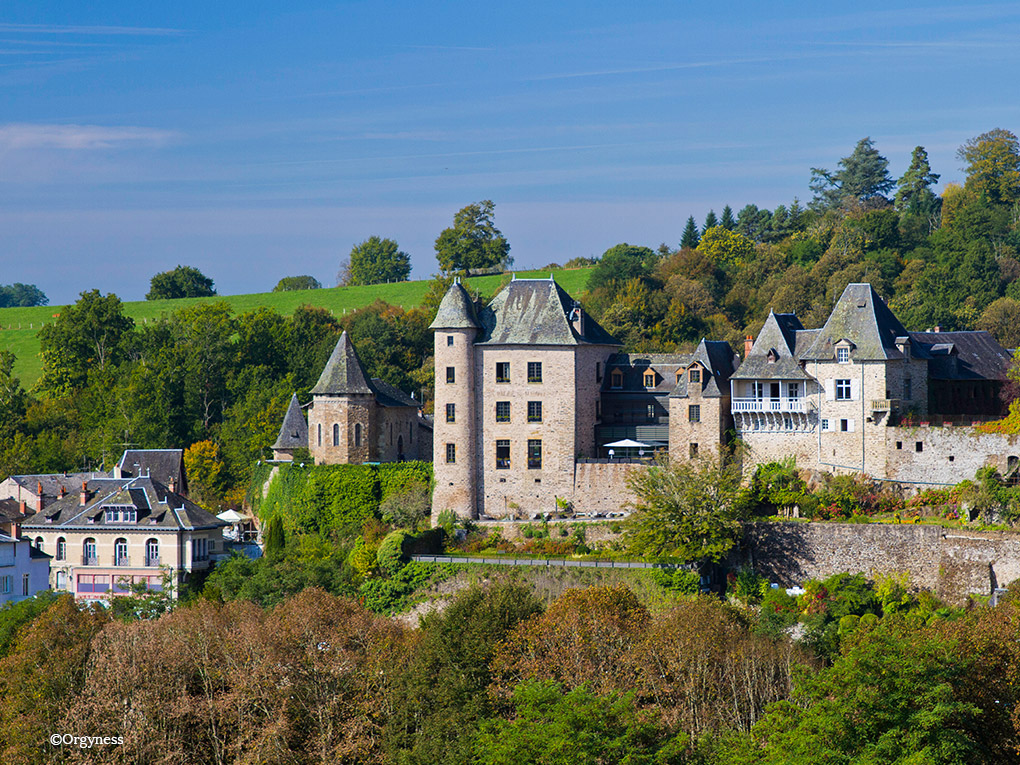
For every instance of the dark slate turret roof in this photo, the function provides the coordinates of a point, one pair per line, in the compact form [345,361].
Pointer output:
[456,310]
[343,374]
[536,312]
[863,318]
[294,431]
[778,337]
[157,508]
[719,359]
[964,355]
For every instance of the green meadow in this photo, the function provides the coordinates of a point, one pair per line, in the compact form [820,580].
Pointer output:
[19,327]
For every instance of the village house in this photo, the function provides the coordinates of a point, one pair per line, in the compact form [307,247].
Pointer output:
[24,570]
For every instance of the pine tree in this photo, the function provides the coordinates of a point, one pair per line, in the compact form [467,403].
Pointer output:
[913,194]
[691,237]
[710,221]
[274,537]
[864,175]
[727,221]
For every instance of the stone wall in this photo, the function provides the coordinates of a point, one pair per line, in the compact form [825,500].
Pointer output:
[602,487]
[952,562]
[947,455]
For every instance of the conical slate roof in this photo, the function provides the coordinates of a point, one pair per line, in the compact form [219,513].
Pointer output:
[343,375]
[456,311]
[294,431]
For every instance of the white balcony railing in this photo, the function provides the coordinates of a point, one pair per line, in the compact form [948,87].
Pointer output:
[768,405]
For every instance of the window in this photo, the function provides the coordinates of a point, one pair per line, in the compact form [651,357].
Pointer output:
[449,339]
[899,444]
[61,548]
[6,582]
[25,585]
[825,425]
[843,355]
[451,375]
[788,423]
[502,371]
[679,376]
[649,379]
[111,514]
[534,411]
[131,514]
[598,410]
[844,425]
[152,552]
[534,454]
[357,434]
[39,543]
[93,583]
[199,549]
[918,446]
[616,379]
[319,437]
[336,434]
[694,413]
[120,553]
[757,389]
[89,552]
[451,454]
[694,376]
[598,371]
[793,390]
[907,385]
[534,371]
[503,454]
[451,415]
[842,390]
[692,450]
[650,413]
[502,411]
[61,580]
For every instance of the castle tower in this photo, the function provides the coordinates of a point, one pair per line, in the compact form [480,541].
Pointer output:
[455,326]
[293,432]
[342,418]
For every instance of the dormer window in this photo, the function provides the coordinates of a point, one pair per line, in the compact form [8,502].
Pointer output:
[617,379]
[772,356]
[649,379]
[843,355]
[695,375]
[120,514]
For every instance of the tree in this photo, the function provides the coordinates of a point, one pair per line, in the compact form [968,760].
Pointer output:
[864,176]
[473,242]
[182,282]
[291,283]
[375,261]
[993,165]
[21,295]
[690,236]
[1002,319]
[913,194]
[620,264]
[89,334]
[686,511]
[275,540]
[725,247]
[727,221]
[710,221]
[205,469]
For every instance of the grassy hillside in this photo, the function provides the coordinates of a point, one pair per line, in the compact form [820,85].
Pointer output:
[19,327]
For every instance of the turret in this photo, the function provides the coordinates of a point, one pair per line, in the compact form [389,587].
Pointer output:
[341,421]
[454,453]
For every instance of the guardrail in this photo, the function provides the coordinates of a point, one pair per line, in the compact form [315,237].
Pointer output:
[768,405]
[547,562]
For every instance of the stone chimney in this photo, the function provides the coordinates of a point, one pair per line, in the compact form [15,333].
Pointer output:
[748,342]
[172,484]
[577,318]
[23,508]
[39,497]
[63,491]
[937,328]
[84,494]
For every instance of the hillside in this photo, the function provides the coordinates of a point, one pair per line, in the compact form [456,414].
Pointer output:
[19,327]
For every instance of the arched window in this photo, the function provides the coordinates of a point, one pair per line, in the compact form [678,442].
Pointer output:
[38,543]
[319,429]
[357,435]
[89,552]
[61,548]
[152,552]
[336,435]
[120,552]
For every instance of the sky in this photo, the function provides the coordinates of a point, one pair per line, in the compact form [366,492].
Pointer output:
[258,140]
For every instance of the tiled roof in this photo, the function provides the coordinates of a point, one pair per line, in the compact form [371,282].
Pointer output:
[156,505]
[536,312]
[343,375]
[719,359]
[294,431]
[456,310]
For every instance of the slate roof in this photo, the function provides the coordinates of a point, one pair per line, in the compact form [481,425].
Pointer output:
[456,310]
[633,367]
[53,482]
[387,395]
[165,465]
[10,511]
[294,431]
[779,335]
[863,318]
[964,355]
[719,359]
[157,507]
[535,312]
[343,374]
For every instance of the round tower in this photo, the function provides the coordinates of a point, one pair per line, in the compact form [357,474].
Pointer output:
[453,445]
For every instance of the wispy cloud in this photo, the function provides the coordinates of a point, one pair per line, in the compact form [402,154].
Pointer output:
[667,67]
[79,137]
[61,29]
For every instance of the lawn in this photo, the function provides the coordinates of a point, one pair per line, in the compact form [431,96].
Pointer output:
[19,327]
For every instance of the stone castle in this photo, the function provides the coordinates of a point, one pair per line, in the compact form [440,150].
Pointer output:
[536,407]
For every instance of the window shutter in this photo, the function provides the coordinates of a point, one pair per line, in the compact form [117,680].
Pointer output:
[830,390]
[855,390]
[850,425]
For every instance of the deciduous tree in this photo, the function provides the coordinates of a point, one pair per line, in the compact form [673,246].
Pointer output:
[182,282]
[473,242]
[375,261]
[992,164]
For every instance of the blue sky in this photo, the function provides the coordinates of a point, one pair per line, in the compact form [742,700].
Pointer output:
[258,140]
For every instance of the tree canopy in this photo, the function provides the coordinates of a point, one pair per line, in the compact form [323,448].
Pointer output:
[473,243]
[863,176]
[375,261]
[182,282]
[293,283]
[992,164]
[21,295]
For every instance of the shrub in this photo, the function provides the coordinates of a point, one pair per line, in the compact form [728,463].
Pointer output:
[390,555]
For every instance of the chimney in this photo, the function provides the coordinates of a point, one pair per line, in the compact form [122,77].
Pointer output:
[63,491]
[748,342]
[23,508]
[84,494]
[937,328]
[39,498]
[173,484]
[577,318]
